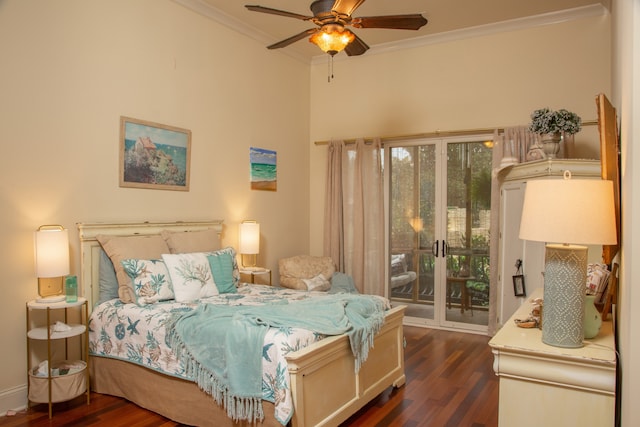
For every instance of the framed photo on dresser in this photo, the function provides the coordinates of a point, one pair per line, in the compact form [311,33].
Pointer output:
[518,286]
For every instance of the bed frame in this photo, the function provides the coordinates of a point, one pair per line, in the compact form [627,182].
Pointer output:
[326,390]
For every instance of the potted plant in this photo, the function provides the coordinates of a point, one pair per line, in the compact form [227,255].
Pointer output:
[550,124]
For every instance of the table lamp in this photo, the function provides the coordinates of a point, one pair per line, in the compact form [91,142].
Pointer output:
[249,242]
[571,213]
[52,262]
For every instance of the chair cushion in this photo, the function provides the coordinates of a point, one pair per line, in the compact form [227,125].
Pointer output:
[295,270]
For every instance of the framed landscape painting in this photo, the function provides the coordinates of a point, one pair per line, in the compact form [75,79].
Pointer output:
[153,155]
[263,169]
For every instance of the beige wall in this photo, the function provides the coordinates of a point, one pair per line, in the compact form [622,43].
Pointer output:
[626,98]
[482,82]
[71,68]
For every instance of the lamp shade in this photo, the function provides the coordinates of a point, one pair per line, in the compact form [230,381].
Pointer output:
[249,243]
[569,211]
[51,251]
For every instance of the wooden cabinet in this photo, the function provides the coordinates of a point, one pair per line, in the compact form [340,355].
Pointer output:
[60,378]
[542,385]
[513,181]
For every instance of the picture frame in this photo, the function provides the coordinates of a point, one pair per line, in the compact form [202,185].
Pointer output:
[519,289]
[153,155]
[263,169]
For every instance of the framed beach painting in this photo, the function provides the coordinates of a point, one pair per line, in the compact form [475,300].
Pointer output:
[263,169]
[153,155]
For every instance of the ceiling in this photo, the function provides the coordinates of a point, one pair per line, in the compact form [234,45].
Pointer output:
[444,16]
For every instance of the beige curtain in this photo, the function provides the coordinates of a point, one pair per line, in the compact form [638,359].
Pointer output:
[333,225]
[354,213]
[515,143]
[494,245]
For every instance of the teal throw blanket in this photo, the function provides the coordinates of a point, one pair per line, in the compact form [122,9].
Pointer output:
[221,346]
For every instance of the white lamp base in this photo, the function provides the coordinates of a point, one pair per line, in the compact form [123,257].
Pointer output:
[565,279]
[51,299]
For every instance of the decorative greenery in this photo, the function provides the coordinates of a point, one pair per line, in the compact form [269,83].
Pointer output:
[546,121]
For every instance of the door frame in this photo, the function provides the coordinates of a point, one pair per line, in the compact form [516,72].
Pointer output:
[439,318]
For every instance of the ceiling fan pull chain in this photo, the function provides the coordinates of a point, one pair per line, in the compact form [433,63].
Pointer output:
[330,69]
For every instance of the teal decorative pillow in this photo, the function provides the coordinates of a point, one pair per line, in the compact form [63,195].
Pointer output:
[150,280]
[221,264]
[107,280]
[341,283]
[190,275]
[234,262]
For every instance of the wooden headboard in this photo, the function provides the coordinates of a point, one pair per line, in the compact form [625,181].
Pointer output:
[90,248]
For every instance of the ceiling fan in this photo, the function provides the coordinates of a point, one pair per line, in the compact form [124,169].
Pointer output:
[331,17]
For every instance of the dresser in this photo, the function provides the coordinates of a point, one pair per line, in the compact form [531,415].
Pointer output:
[542,385]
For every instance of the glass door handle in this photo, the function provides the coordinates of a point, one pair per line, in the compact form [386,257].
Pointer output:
[434,249]
[445,248]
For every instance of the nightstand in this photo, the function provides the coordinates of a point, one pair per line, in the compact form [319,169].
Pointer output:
[64,379]
[258,275]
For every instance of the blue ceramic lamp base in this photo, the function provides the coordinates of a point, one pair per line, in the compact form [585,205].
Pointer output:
[564,294]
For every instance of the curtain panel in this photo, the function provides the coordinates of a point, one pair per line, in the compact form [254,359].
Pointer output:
[354,213]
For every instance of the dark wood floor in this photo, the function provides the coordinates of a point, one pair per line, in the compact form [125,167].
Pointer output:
[450,382]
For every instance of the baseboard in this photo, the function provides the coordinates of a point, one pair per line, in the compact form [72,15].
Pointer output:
[13,399]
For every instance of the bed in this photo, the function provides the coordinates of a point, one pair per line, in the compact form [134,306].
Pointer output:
[315,400]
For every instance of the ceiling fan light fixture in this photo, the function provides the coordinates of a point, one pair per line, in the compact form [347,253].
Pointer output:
[332,38]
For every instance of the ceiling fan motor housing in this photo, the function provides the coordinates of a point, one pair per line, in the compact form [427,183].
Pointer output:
[323,13]
[321,6]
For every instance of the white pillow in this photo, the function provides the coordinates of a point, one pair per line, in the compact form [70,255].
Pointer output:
[317,283]
[190,275]
[150,280]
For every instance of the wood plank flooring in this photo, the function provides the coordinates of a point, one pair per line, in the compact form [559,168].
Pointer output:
[450,383]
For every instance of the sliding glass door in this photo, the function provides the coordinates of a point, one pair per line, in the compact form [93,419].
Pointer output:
[438,200]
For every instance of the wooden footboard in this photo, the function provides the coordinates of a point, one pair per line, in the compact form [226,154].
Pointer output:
[325,387]
[326,390]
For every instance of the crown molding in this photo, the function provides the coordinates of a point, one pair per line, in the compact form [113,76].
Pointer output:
[596,9]
[235,24]
[482,30]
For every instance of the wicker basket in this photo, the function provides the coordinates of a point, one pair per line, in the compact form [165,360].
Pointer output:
[63,387]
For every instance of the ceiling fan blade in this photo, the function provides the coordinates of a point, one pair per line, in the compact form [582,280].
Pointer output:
[293,39]
[346,7]
[271,11]
[396,22]
[356,47]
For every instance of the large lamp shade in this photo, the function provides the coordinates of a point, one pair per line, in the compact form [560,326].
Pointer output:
[578,211]
[567,214]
